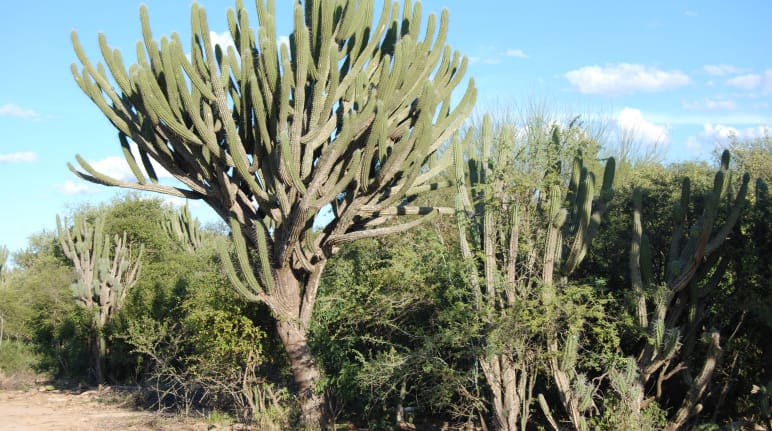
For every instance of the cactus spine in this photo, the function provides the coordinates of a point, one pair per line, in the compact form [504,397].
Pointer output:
[105,269]
[350,115]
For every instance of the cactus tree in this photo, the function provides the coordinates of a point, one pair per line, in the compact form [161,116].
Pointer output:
[669,304]
[105,270]
[348,116]
[521,239]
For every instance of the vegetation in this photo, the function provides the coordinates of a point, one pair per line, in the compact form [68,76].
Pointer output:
[404,334]
[556,292]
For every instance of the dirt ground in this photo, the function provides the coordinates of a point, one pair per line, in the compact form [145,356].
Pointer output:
[62,410]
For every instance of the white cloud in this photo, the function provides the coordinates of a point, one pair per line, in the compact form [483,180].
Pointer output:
[70,187]
[720,69]
[754,81]
[515,53]
[11,110]
[625,78]
[631,122]
[708,104]
[118,168]
[21,157]
[283,40]
[718,136]
[690,13]
[223,39]
[746,82]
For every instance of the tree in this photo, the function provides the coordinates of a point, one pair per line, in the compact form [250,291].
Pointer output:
[348,116]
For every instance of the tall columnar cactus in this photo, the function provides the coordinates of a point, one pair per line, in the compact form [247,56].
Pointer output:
[105,270]
[183,228]
[349,116]
[670,310]
[515,243]
[3,264]
[3,273]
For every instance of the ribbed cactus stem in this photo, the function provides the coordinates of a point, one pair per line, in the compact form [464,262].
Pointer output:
[3,266]
[636,277]
[182,227]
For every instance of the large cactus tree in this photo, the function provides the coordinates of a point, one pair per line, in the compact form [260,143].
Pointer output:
[105,269]
[350,116]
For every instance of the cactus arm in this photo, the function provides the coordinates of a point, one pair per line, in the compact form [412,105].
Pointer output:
[734,214]
[636,277]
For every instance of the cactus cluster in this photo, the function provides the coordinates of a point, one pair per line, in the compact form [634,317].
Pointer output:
[105,269]
[554,226]
[182,228]
[670,309]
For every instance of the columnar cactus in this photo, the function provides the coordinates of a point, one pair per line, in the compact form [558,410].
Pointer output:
[693,269]
[105,270]
[349,116]
[3,264]
[183,228]
[554,222]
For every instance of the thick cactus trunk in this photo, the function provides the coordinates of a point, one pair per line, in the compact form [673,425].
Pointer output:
[294,338]
[508,386]
[292,326]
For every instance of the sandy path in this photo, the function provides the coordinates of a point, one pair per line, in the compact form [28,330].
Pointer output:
[63,411]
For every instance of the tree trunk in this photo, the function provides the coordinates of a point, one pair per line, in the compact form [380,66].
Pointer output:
[691,405]
[294,337]
[563,382]
[502,379]
[292,303]
[98,350]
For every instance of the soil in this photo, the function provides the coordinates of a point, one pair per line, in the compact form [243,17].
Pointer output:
[93,410]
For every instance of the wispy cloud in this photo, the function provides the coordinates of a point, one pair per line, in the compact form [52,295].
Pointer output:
[721,69]
[16,111]
[746,82]
[625,78]
[70,187]
[21,157]
[515,53]
[690,13]
[753,82]
[708,104]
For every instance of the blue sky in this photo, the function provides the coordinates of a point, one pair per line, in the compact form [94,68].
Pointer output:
[681,74]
